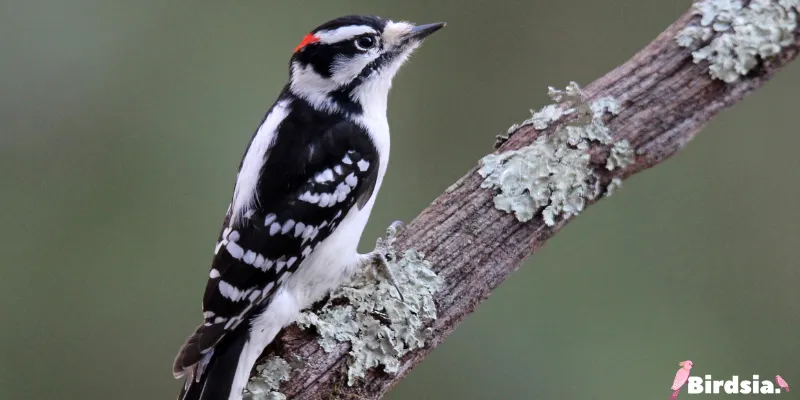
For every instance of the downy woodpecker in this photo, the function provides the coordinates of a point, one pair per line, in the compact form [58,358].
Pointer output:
[303,194]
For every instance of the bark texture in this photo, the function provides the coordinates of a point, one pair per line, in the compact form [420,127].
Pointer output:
[665,99]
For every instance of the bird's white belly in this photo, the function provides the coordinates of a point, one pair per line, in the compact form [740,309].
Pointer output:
[333,261]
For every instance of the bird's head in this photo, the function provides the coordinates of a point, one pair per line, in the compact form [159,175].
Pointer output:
[350,61]
[686,364]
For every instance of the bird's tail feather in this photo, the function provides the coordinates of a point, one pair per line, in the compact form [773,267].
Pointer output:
[674,395]
[216,378]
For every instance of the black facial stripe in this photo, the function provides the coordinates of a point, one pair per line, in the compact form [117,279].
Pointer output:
[321,57]
[377,64]
[373,66]
[344,95]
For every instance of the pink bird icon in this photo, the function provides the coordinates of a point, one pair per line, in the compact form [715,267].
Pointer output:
[782,383]
[680,378]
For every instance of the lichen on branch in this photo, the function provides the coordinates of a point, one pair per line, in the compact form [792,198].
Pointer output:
[554,173]
[266,383]
[732,36]
[369,313]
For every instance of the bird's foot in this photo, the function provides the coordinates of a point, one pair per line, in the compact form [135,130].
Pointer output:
[379,258]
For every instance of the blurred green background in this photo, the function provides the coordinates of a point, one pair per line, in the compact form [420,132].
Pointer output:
[122,124]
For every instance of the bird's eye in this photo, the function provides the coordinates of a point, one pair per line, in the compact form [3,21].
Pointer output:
[365,42]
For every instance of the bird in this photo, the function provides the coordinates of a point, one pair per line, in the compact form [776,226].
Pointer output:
[782,383]
[680,378]
[303,193]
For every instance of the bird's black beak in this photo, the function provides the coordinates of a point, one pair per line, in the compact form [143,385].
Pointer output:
[420,32]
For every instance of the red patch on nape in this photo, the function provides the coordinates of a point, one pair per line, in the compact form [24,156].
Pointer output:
[310,38]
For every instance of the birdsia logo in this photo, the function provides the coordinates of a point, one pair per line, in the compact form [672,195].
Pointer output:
[734,385]
[707,385]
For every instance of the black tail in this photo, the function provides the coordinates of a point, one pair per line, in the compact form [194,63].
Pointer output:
[216,379]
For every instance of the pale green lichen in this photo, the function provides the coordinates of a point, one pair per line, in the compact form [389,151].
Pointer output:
[269,375]
[553,174]
[612,187]
[732,37]
[539,119]
[380,326]
[621,155]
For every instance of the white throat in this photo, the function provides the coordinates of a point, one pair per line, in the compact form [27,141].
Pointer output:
[373,95]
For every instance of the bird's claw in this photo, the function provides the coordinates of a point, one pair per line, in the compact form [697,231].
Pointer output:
[380,267]
[383,253]
[394,229]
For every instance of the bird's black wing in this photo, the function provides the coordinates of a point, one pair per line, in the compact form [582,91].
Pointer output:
[308,183]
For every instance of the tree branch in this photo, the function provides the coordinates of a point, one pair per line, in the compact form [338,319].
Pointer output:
[664,99]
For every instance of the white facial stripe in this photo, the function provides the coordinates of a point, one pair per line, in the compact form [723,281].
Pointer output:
[304,77]
[345,69]
[313,87]
[394,31]
[343,33]
[245,195]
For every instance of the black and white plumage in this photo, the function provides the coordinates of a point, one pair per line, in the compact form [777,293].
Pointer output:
[303,194]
